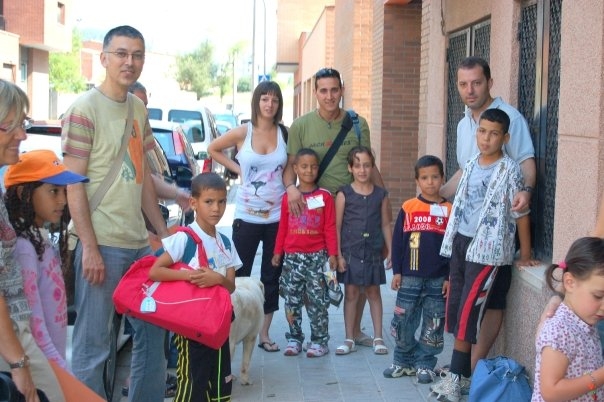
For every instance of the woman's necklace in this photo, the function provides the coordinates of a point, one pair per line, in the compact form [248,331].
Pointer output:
[329,121]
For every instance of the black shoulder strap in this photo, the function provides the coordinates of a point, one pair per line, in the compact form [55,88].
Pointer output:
[283,131]
[331,152]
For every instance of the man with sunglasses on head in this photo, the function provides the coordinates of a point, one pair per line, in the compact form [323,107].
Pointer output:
[97,126]
[317,130]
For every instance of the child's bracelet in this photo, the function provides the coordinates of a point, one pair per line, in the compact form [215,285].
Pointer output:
[290,184]
[592,386]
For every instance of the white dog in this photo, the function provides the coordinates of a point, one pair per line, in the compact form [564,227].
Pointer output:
[248,305]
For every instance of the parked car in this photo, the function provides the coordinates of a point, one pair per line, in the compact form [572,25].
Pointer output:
[200,128]
[228,117]
[226,121]
[43,134]
[223,126]
[179,151]
[179,154]
[172,212]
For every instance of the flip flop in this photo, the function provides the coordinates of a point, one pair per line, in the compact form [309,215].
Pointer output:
[269,346]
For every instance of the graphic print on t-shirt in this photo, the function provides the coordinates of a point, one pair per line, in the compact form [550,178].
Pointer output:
[262,183]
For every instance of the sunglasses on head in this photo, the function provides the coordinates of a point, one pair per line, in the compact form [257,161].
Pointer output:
[327,73]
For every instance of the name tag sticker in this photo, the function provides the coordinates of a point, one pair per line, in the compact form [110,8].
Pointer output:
[315,202]
[439,210]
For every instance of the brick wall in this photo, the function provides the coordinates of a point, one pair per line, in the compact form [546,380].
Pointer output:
[352,52]
[395,87]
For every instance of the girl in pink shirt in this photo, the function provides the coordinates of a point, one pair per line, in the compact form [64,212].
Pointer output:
[569,364]
[35,197]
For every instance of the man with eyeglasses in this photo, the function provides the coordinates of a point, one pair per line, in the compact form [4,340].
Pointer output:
[317,130]
[114,235]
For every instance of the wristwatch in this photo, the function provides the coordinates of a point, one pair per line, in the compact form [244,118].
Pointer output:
[528,189]
[23,362]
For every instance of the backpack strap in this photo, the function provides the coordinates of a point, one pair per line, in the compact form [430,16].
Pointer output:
[226,241]
[351,119]
[356,124]
[194,244]
[335,145]
[283,132]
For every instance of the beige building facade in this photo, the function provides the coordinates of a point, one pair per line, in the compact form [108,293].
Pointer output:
[398,60]
[29,30]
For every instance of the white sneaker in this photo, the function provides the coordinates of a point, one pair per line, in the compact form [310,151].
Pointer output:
[448,389]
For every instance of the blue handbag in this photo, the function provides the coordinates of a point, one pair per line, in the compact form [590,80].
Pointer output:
[499,379]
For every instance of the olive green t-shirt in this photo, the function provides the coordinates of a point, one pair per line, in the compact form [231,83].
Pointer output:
[311,131]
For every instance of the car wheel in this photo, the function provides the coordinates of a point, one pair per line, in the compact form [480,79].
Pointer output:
[110,370]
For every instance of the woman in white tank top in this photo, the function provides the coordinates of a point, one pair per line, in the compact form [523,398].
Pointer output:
[262,156]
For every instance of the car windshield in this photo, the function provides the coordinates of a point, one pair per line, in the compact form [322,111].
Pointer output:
[194,131]
[231,119]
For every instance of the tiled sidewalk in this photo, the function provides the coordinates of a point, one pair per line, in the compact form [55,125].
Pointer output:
[351,378]
[356,377]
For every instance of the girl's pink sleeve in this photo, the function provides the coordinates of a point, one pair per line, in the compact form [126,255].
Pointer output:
[31,269]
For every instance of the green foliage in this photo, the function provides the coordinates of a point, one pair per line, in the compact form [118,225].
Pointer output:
[244,84]
[195,71]
[225,74]
[64,74]
[223,79]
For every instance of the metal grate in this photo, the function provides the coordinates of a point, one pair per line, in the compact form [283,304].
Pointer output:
[527,35]
[540,107]
[475,41]
[548,193]
[481,40]
[457,51]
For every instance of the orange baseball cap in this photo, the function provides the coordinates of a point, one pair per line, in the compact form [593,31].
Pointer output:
[40,165]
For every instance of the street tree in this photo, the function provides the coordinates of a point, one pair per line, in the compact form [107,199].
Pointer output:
[194,70]
[64,68]
[226,72]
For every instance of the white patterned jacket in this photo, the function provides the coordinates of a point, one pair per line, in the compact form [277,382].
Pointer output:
[494,241]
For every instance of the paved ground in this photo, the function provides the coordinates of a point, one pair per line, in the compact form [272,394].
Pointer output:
[356,377]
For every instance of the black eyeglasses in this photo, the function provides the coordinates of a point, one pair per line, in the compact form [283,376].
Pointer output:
[328,73]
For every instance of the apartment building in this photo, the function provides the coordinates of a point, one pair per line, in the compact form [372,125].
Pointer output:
[399,60]
[29,30]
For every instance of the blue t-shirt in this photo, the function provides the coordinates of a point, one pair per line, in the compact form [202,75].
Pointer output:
[477,189]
